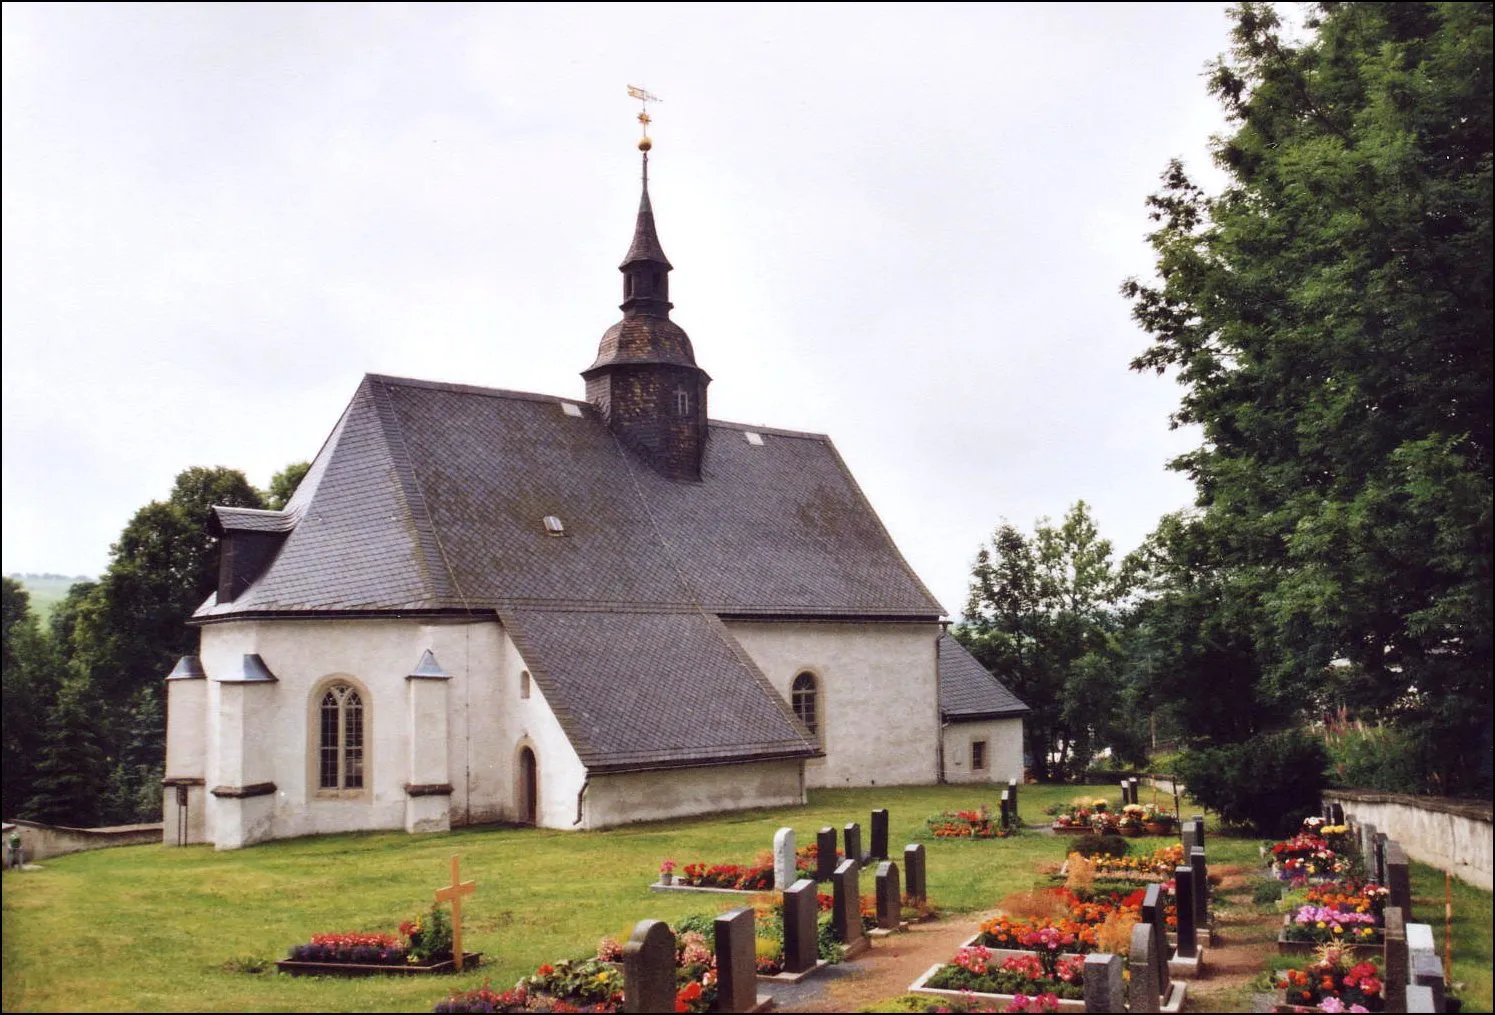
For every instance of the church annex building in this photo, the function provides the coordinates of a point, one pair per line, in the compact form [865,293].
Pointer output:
[486,605]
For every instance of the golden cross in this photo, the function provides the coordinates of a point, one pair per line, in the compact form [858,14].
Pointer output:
[453,893]
[644,97]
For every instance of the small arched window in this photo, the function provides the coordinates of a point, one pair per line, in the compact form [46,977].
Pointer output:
[804,698]
[341,739]
[524,683]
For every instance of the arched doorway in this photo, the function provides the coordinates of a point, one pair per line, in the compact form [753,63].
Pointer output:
[529,786]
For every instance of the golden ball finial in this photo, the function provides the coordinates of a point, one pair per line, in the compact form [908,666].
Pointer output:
[644,144]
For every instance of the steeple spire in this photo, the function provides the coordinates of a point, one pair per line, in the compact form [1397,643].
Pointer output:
[645,381]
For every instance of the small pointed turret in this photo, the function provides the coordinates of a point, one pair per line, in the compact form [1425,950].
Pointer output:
[645,381]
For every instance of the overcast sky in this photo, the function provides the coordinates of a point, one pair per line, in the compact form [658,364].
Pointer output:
[901,225]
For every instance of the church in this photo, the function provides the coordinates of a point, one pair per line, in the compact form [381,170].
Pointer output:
[573,612]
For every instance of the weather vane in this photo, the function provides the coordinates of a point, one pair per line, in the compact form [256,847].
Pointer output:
[644,97]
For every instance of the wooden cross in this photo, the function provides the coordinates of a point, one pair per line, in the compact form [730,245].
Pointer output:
[453,893]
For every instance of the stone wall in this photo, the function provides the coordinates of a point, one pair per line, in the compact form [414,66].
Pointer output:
[1452,835]
[41,841]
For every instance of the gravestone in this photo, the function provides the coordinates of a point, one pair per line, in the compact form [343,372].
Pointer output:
[1143,960]
[851,837]
[825,854]
[1397,969]
[889,896]
[1012,795]
[1336,814]
[1154,915]
[1186,836]
[1136,794]
[801,910]
[1103,986]
[1126,793]
[846,905]
[1424,967]
[1005,811]
[649,968]
[1201,888]
[1368,849]
[736,960]
[1399,879]
[1183,890]
[783,859]
[1421,999]
[1378,855]
[879,849]
[913,872]
[1198,822]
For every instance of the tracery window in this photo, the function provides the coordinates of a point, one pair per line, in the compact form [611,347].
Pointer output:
[804,698]
[341,740]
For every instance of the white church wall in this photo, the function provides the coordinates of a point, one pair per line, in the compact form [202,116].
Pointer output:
[1004,750]
[878,694]
[529,722]
[648,796]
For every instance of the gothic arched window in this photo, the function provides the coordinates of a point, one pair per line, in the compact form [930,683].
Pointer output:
[804,697]
[340,723]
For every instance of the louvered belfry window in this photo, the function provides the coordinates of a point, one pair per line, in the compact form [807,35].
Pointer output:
[341,761]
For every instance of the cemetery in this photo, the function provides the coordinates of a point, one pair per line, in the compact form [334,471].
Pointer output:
[568,922]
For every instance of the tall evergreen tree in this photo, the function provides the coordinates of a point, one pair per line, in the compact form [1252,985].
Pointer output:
[1329,316]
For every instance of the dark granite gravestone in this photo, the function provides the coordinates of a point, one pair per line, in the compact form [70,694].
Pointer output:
[1201,888]
[736,960]
[1136,790]
[1126,793]
[825,854]
[879,850]
[1004,811]
[1396,974]
[846,906]
[851,839]
[1142,957]
[649,968]
[1183,890]
[1336,814]
[1104,990]
[889,896]
[1012,795]
[1399,879]
[1368,849]
[1378,854]
[801,910]
[913,872]
[1198,823]
[1154,915]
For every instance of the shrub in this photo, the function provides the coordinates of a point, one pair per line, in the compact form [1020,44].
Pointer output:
[1100,845]
[1269,783]
[1375,757]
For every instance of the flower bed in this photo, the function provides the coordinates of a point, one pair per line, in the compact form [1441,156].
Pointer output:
[977,824]
[1333,983]
[424,946]
[1013,982]
[754,877]
[1347,914]
[1159,865]
[1318,851]
[1084,814]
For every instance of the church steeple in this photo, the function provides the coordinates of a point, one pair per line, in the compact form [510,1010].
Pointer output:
[645,381]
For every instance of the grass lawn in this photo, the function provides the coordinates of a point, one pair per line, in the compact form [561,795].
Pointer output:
[155,929]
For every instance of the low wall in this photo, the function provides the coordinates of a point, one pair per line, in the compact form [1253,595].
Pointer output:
[1453,835]
[40,841]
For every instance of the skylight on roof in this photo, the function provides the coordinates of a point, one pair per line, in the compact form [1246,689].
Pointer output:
[571,409]
[554,526]
[755,439]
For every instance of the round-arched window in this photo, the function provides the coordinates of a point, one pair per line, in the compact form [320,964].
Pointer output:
[804,697]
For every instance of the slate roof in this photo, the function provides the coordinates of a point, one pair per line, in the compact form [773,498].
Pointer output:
[431,497]
[968,692]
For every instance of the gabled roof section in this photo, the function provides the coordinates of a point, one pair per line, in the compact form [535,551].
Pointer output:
[240,519]
[654,690]
[968,692]
[432,496]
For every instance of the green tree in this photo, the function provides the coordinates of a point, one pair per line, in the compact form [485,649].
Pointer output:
[1042,616]
[1328,315]
[70,775]
[283,485]
[27,690]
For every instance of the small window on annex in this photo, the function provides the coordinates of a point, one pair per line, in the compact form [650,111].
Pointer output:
[804,698]
[978,755]
[340,758]
[524,683]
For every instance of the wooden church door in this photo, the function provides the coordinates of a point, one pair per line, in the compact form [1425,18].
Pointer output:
[529,787]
